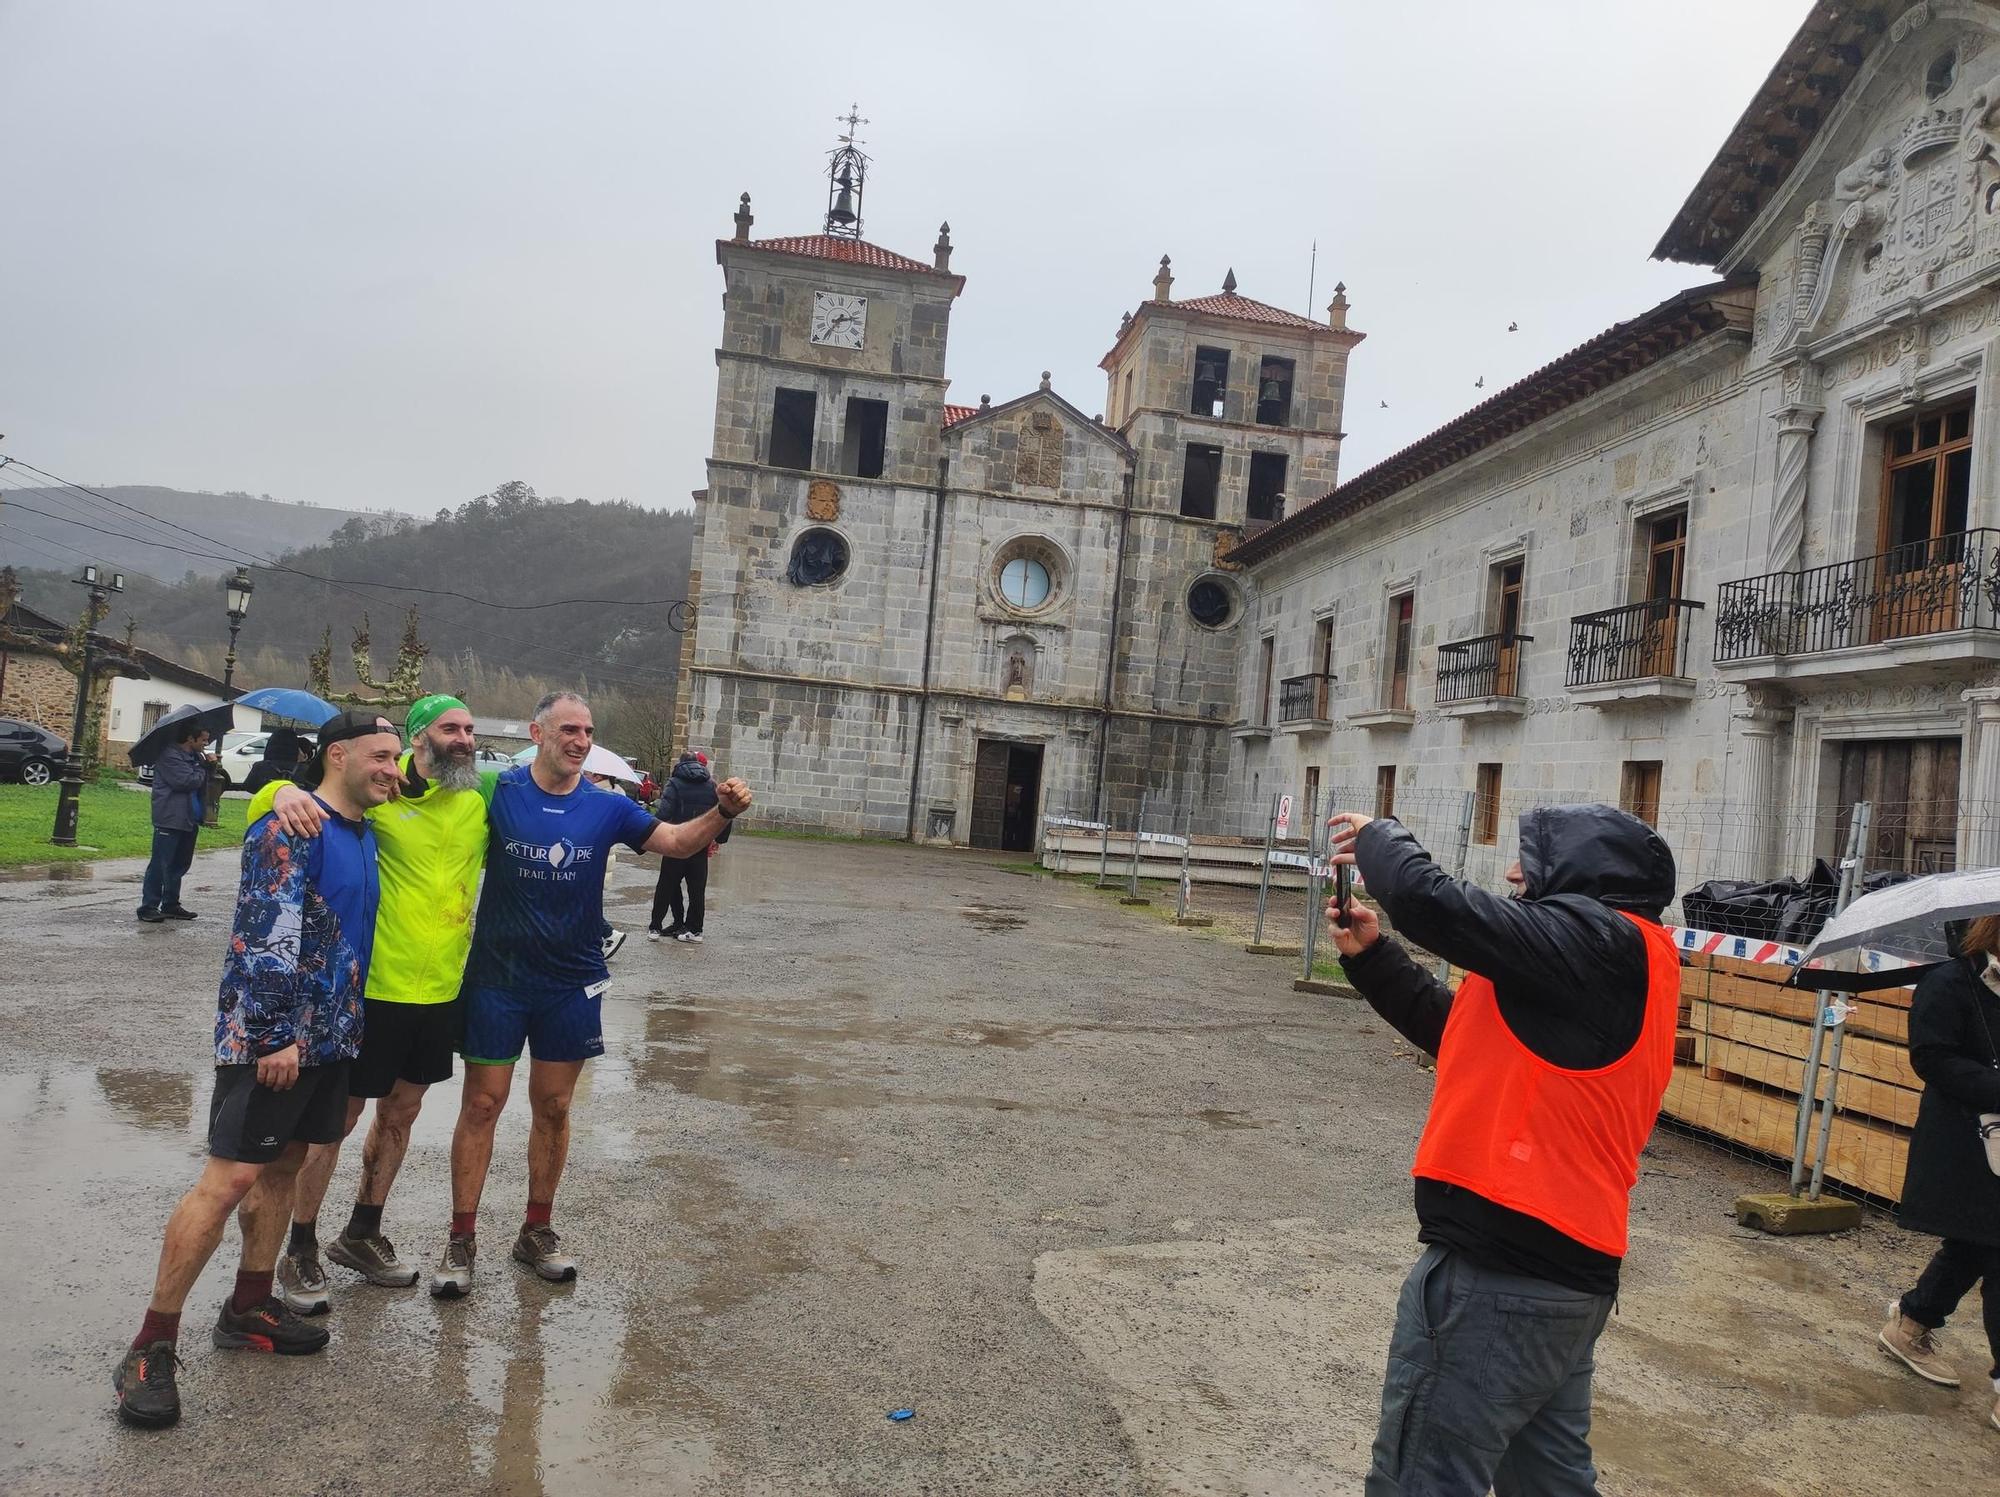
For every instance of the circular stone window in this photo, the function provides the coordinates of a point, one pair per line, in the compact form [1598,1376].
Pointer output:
[1028,574]
[818,557]
[1211,602]
[1024,583]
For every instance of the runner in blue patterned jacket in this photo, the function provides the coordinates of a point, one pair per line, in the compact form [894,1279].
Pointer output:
[287,1023]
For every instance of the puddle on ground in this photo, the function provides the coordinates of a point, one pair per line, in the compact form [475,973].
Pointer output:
[1217,1117]
[995,918]
[49,873]
[151,1099]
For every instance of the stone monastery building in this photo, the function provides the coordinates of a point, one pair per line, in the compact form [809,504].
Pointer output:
[1734,563]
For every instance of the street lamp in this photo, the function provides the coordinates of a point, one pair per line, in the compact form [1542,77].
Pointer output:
[236,592]
[101,588]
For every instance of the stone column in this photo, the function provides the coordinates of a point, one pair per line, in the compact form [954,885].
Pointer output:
[1760,808]
[1796,420]
[1980,816]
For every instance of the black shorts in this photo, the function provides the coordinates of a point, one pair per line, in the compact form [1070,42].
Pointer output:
[411,1042]
[247,1121]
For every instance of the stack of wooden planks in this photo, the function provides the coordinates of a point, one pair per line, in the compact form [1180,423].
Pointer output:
[1740,1063]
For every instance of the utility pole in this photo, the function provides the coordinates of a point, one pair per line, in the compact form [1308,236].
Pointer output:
[101,589]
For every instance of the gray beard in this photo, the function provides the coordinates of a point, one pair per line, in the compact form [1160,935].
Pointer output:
[455,774]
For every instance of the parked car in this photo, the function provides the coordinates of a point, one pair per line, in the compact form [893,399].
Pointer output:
[29,752]
[492,759]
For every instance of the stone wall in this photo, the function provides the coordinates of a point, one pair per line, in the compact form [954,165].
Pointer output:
[39,690]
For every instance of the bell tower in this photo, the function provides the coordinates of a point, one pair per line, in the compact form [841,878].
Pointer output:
[846,177]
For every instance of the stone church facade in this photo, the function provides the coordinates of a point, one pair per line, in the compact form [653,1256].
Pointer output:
[1738,557]
[941,621]
[1734,563]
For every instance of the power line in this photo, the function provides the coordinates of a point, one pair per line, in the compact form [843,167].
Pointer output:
[590,663]
[16,506]
[279,566]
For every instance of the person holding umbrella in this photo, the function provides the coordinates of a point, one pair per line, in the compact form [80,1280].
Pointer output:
[1951,1188]
[180,778]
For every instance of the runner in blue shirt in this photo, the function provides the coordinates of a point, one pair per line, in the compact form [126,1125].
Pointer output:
[536,977]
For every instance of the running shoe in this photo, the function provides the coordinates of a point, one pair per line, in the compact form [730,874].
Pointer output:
[452,1278]
[267,1326]
[691,937]
[374,1258]
[144,1383]
[541,1249]
[301,1283]
[175,912]
[150,915]
[652,933]
[612,942]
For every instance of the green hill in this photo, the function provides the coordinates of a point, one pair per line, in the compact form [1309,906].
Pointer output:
[509,550]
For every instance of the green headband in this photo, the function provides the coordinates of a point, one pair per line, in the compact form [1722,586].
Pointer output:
[426,710]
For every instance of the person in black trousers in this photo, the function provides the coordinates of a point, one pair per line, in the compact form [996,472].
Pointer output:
[180,780]
[690,793]
[1949,1189]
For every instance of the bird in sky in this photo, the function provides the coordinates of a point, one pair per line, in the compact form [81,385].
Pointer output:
[1513,327]
[1480,383]
[1385,405]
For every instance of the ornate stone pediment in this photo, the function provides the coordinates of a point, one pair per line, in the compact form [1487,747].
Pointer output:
[1919,196]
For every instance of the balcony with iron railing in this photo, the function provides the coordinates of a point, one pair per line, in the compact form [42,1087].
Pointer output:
[1482,677]
[1635,653]
[1932,603]
[1305,701]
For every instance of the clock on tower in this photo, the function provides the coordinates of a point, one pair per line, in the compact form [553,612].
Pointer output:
[839,320]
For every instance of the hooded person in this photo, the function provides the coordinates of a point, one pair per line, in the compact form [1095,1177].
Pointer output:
[680,898]
[1553,1057]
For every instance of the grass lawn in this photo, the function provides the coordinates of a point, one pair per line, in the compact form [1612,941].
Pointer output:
[110,823]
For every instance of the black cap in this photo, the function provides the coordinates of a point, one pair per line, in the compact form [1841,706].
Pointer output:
[355,722]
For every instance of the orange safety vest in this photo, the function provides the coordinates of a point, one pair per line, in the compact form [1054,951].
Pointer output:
[1560,1146]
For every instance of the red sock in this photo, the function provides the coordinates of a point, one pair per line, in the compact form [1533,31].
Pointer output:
[157,1326]
[538,1213]
[462,1223]
[251,1289]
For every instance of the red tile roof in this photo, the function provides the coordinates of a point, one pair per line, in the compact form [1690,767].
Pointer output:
[1243,309]
[953,414]
[1613,355]
[833,247]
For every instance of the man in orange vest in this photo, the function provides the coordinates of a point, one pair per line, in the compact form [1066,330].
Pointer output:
[1553,1057]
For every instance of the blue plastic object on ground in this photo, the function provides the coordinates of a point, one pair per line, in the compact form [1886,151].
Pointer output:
[899,1415]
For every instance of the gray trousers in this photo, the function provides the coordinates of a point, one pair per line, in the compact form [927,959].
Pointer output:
[1488,1386]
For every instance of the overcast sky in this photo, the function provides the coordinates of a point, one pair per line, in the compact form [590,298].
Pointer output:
[393,254]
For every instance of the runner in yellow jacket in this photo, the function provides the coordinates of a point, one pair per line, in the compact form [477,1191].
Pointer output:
[431,844]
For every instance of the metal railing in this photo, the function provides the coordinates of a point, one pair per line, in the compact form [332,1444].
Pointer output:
[1305,699]
[1630,643]
[1488,666]
[1926,587]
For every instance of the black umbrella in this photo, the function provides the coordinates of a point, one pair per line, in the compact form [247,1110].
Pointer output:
[168,731]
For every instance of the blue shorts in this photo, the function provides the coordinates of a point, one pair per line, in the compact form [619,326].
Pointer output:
[564,1025]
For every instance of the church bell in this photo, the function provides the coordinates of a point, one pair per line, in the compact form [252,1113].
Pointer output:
[842,211]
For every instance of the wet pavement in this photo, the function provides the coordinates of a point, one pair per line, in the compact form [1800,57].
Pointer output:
[1105,1202]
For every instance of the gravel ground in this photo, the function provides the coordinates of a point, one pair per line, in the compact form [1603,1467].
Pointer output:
[1110,1206]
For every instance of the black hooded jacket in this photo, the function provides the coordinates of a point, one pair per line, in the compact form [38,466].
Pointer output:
[689,792]
[1569,975]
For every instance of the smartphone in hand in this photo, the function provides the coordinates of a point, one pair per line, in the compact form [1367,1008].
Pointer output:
[1343,893]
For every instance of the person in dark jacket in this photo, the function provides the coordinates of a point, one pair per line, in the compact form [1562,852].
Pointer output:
[180,779]
[1553,1057]
[285,754]
[690,793]
[1949,1190]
